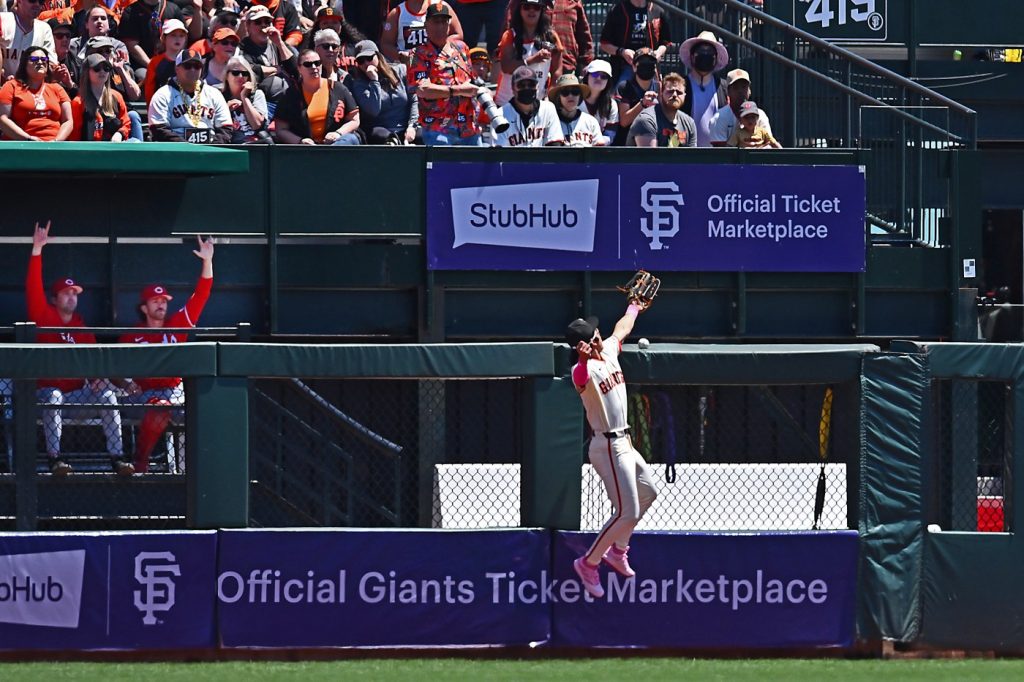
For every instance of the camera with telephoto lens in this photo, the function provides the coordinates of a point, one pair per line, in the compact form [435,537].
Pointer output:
[486,100]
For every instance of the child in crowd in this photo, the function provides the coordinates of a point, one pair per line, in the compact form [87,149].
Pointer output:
[749,134]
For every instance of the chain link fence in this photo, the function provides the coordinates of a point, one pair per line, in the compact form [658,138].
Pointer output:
[447,454]
[109,455]
[742,457]
[974,442]
[385,453]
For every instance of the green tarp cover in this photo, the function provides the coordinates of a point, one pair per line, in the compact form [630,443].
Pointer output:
[744,364]
[393,361]
[89,361]
[166,158]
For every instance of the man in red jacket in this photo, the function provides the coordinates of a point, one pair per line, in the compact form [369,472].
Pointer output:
[59,311]
[166,392]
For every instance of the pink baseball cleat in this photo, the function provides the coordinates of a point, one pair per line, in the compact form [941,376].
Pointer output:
[618,561]
[590,577]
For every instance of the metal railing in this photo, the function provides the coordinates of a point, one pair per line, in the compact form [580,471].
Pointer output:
[313,464]
[827,96]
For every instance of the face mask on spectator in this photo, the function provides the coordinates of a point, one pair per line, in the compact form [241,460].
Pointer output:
[526,95]
[645,70]
[704,61]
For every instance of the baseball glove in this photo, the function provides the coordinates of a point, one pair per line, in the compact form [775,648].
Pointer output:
[641,289]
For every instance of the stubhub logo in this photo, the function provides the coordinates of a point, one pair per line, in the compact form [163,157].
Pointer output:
[547,215]
[42,589]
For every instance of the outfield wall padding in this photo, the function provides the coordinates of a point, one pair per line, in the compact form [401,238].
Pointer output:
[313,588]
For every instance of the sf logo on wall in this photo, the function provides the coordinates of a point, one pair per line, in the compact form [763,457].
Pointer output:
[155,571]
[660,201]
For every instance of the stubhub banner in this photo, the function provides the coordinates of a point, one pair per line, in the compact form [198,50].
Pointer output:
[312,588]
[662,217]
[712,590]
[107,590]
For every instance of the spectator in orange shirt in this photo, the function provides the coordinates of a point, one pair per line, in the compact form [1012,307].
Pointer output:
[32,109]
[225,18]
[174,38]
[442,75]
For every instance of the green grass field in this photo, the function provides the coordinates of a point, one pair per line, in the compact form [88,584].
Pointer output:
[450,670]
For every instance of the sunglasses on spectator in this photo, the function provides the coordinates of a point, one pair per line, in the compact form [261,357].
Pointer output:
[191,66]
[99,68]
[240,74]
[364,60]
[39,59]
[531,8]
[37,2]
[329,46]
[571,92]
[232,43]
[226,21]
[264,22]
[63,35]
[598,75]
[313,65]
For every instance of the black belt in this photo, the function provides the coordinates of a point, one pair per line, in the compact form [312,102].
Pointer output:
[617,434]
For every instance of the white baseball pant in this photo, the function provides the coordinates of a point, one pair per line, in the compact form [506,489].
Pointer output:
[630,485]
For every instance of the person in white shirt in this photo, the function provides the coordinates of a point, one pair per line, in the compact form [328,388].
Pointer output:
[724,123]
[20,30]
[188,110]
[579,128]
[533,122]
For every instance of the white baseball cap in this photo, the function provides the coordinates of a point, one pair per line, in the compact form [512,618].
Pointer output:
[599,66]
[172,25]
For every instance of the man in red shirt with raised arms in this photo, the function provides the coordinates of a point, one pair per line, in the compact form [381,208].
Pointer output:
[164,391]
[59,311]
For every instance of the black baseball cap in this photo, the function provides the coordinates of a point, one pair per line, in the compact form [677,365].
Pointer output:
[580,330]
[60,25]
[438,9]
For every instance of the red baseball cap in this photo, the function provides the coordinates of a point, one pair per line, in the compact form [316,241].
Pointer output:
[65,283]
[155,291]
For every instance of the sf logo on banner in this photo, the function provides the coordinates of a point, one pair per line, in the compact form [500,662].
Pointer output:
[155,571]
[660,200]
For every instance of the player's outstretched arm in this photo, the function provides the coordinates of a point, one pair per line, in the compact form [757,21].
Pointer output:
[624,327]
[205,254]
[40,238]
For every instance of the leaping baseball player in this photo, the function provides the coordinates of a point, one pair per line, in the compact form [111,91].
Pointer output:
[627,478]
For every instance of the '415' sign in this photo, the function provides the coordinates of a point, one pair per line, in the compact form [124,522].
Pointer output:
[842,20]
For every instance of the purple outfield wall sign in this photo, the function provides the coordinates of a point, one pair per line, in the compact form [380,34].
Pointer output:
[716,590]
[107,590]
[382,588]
[661,217]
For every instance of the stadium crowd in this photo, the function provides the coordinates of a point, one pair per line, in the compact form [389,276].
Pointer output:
[383,72]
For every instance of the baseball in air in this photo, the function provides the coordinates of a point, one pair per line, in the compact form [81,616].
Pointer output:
[643,343]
